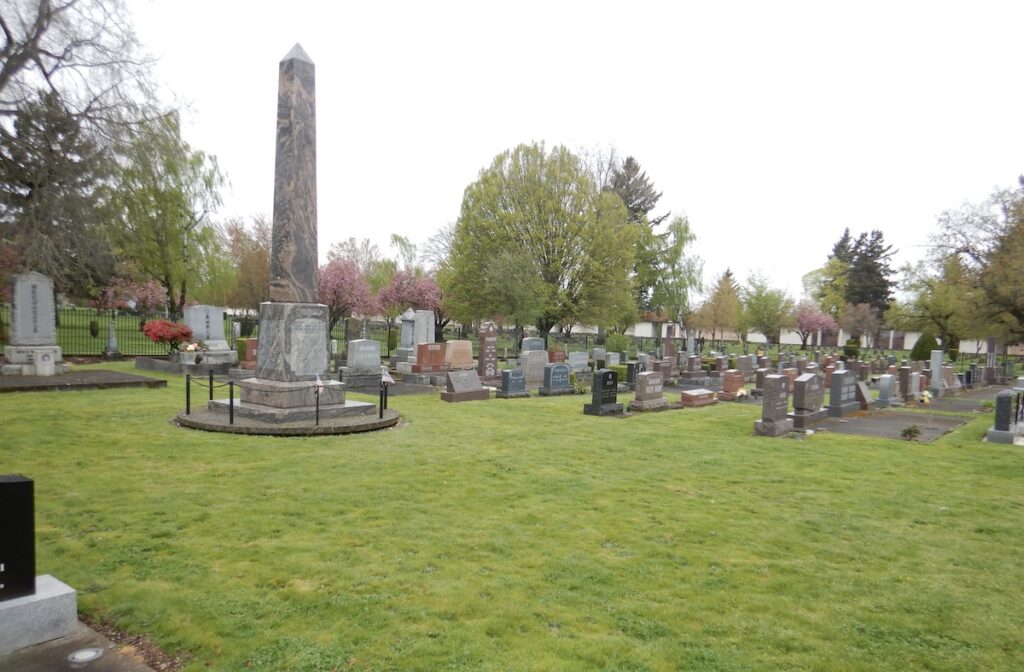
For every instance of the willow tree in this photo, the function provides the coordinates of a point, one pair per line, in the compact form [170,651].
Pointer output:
[543,207]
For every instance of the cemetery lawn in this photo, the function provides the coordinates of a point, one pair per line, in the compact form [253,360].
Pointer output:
[523,535]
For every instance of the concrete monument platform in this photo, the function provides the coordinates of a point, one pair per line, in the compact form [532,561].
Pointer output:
[93,379]
[48,614]
[217,421]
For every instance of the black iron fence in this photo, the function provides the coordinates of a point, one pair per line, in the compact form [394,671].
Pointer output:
[83,332]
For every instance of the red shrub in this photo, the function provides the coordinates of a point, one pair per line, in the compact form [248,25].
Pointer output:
[171,333]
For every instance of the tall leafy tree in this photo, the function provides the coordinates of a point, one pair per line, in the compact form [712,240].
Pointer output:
[248,247]
[766,309]
[168,194]
[680,274]
[55,196]
[82,52]
[545,205]
[723,309]
[989,239]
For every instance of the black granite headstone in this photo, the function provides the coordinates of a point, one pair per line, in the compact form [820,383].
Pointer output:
[1004,410]
[17,538]
[605,394]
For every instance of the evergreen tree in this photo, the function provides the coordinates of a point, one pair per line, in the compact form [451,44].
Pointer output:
[843,249]
[55,196]
[869,279]
[631,184]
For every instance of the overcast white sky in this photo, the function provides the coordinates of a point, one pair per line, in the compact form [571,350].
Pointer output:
[772,126]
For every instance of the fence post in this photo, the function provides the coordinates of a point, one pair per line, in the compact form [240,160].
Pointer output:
[380,404]
[231,402]
[211,384]
[188,394]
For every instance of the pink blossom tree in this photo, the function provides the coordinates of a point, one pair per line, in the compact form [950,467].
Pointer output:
[344,290]
[420,292]
[809,319]
[127,293]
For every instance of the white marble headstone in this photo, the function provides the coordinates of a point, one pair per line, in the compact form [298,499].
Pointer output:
[33,319]
[207,325]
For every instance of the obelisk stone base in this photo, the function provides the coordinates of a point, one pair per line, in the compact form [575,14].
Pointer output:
[292,353]
[293,342]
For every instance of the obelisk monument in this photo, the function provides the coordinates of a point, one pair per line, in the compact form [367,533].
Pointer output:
[292,351]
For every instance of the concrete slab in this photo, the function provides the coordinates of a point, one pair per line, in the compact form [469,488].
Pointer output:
[889,424]
[53,655]
[78,380]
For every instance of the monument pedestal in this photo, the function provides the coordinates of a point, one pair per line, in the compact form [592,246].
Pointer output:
[33,360]
[50,613]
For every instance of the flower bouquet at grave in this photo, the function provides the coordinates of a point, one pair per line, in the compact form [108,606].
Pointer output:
[172,334]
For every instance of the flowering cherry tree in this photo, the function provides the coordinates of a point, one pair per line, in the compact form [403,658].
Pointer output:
[420,292]
[809,319]
[343,289]
[126,293]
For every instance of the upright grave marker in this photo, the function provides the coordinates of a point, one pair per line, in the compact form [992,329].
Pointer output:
[513,384]
[808,396]
[605,394]
[649,392]
[33,609]
[33,349]
[775,408]
[464,386]
[843,394]
[487,361]
[556,381]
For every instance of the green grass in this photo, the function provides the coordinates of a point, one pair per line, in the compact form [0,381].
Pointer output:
[523,535]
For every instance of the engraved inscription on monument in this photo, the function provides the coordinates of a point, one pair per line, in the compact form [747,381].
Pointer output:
[308,347]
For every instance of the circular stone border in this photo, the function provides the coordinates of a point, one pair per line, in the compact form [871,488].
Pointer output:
[218,422]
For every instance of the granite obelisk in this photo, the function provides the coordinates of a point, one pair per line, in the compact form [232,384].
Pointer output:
[293,327]
[293,258]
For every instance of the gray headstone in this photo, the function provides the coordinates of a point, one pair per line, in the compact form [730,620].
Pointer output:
[460,382]
[649,385]
[33,318]
[364,355]
[578,361]
[423,326]
[556,377]
[533,343]
[408,335]
[207,325]
[533,363]
[612,359]
[843,394]
[513,383]
[776,398]
[808,392]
